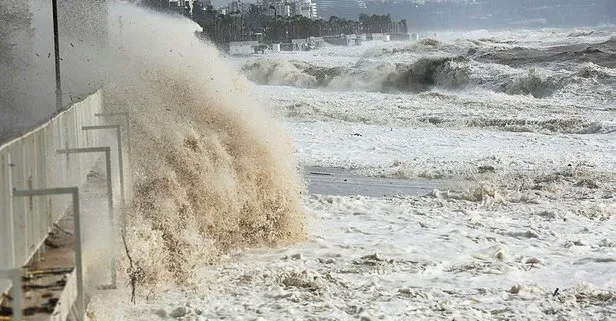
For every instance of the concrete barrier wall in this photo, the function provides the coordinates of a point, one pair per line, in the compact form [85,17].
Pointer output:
[31,162]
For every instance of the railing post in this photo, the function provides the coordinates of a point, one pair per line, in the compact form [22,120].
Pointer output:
[15,276]
[81,307]
[126,116]
[11,212]
[120,158]
[74,192]
[107,151]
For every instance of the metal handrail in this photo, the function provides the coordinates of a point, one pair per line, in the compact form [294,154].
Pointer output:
[15,276]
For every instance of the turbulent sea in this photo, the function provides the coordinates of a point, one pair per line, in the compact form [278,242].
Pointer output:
[518,128]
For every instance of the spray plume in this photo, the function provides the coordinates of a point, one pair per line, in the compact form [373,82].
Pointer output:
[212,171]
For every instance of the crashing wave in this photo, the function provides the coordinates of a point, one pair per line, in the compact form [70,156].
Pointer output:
[592,71]
[450,73]
[278,72]
[542,86]
[428,45]
[423,75]
[580,33]
[498,41]
[212,172]
[601,54]
[426,73]
[534,84]
[424,45]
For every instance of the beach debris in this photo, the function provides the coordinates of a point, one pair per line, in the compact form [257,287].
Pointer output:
[486,169]
[179,312]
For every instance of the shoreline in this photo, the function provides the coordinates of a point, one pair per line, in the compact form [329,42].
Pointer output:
[344,182]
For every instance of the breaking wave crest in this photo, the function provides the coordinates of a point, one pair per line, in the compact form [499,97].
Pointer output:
[278,72]
[532,83]
[212,171]
[592,71]
[580,33]
[422,46]
[601,54]
[427,46]
[423,75]
[541,86]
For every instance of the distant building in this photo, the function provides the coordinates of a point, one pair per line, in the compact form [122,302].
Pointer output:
[180,6]
[237,6]
[303,8]
[327,5]
[313,10]
[306,8]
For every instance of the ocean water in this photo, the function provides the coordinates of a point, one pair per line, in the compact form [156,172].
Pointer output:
[522,122]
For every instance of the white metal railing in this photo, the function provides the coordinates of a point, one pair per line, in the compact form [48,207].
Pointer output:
[31,162]
[74,192]
[58,154]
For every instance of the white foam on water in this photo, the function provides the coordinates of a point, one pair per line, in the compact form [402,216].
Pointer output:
[394,259]
[528,232]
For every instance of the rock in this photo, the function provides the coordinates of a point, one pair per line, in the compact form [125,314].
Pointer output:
[587,183]
[607,243]
[405,291]
[515,289]
[198,311]
[548,214]
[486,169]
[501,256]
[296,256]
[161,313]
[179,312]
[532,260]
[326,261]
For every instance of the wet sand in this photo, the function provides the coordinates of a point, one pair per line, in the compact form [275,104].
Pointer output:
[343,182]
